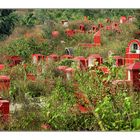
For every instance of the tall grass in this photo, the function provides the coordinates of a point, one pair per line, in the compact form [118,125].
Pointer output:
[51,100]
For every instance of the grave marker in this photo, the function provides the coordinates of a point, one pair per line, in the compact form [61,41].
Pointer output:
[119,61]
[52,58]
[14,60]
[4,83]
[81,62]
[70,33]
[133,75]
[69,73]
[123,19]
[97,38]
[37,58]
[2,66]
[4,109]
[94,59]
[55,34]
[132,52]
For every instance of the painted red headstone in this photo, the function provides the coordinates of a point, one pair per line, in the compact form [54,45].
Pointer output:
[119,61]
[37,58]
[100,26]
[69,73]
[4,109]
[93,59]
[108,20]
[55,34]
[4,82]
[123,19]
[97,38]
[2,66]
[46,126]
[132,52]
[70,33]
[131,19]
[115,25]
[133,75]
[14,60]
[82,108]
[81,62]
[62,68]
[82,27]
[52,57]
[94,28]
[31,77]
[104,69]
[108,27]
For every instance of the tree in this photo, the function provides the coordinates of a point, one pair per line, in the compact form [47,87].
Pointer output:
[138,18]
[28,20]
[7,22]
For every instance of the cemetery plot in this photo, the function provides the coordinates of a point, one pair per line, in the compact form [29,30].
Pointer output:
[85,75]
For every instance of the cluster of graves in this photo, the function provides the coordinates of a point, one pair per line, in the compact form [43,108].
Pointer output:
[131,62]
[95,29]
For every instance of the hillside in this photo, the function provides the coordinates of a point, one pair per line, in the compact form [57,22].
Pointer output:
[61,71]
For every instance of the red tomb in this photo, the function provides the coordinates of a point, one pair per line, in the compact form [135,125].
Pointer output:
[123,19]
[70,33]
[4,83]
[69,73]
[133,75]
[81,62]
[82,27]
[37,58]
[119,61]
[65,23]
[100,26]
[104,69]
[31,77]
[108,20]
[2,66]
[55,34]
[4,109]
[52,58]
[94,28]
[132,52]
[96,41]
[66,56]
[94,59]
[97,38]
[14,60]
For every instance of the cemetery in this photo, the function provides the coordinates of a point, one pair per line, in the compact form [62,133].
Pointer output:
[84,75]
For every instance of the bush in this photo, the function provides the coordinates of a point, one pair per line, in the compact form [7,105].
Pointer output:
[7,22]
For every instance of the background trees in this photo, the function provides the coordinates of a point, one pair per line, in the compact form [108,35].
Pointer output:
[7,22]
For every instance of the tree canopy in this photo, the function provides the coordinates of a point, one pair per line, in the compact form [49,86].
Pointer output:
[7,22]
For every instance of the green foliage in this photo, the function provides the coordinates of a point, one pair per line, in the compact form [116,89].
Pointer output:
[136,123]
[138,18]
[78,14]
[20,47]
[7,22]
[66,62]
[26,47]
[43,15]
[28,20]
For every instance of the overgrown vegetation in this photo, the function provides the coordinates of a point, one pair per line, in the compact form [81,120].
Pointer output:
[7,22]
[49,102]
